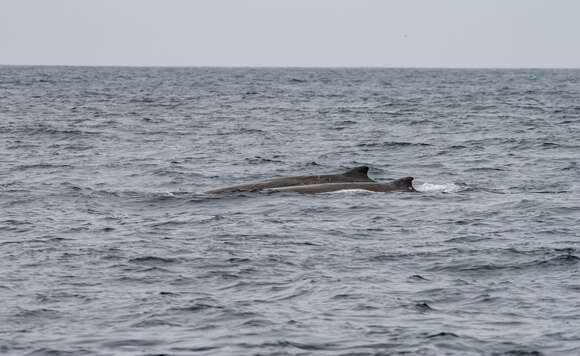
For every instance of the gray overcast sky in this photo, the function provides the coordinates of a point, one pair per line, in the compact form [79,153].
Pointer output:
[360,33]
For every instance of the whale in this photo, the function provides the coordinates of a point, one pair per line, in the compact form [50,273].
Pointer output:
[355,175]
[399,185]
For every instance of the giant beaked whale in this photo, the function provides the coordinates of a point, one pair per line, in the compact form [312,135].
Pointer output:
[357,174]
[399,185]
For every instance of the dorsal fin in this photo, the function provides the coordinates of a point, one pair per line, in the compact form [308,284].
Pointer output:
[357,172]
[405,183]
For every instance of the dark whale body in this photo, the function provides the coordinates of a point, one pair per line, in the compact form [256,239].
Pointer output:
[401,185]
[358,174]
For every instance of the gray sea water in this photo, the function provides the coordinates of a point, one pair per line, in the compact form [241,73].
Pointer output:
[108,247]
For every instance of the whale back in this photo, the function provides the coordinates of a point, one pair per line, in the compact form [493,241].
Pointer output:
[357,174]
[398,185]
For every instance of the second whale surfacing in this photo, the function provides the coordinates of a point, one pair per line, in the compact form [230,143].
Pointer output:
[399,185]
[355,175]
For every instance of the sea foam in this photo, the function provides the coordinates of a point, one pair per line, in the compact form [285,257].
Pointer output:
[444,187]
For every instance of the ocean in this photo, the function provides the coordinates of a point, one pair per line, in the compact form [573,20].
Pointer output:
[109,247]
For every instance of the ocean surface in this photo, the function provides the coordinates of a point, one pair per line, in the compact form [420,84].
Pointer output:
[109,247]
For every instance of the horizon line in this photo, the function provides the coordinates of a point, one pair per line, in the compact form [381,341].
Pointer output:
[281,67]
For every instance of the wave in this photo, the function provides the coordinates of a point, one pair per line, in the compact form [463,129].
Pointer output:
[350,191]
[393,144]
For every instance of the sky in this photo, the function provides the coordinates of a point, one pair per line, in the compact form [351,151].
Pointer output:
[292,33]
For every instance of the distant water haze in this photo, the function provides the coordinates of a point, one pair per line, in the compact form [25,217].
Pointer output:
[324,33]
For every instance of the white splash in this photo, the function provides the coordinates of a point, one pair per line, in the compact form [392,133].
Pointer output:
[444,188]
